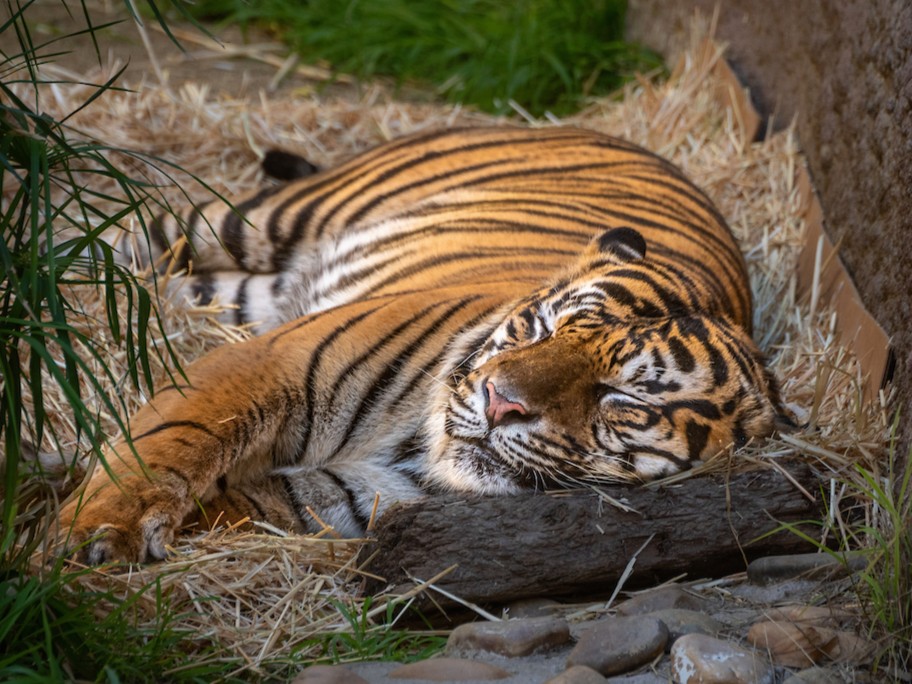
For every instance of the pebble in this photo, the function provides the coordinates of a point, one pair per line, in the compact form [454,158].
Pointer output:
[620,644]
[511,638]
[530,608]
[328,674]
[816,566]
[664,598]
[680,622]
[701,659]
[642,678]
[449,670]
[814,675]
[578,674]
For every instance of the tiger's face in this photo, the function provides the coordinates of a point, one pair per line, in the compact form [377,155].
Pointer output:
[566,390]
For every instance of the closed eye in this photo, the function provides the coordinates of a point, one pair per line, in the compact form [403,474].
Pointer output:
[612,395]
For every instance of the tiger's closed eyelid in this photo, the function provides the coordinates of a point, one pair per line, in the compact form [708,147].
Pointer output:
[609,393]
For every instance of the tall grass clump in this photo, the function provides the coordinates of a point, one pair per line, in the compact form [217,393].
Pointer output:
[52,219]
[544,55]
[872,519]
[887,581]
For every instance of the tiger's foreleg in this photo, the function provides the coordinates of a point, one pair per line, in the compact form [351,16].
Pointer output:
[233,416]
[243,412]
[331,402]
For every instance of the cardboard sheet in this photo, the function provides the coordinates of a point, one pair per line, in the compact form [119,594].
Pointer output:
[822,278]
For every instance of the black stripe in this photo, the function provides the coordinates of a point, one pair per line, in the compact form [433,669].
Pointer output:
[471,259]
[202,286]
[302,322]
[718,364]
[168,425]
[683,359]
[432,368]
[701,407]
[670,302]
[235,224]
[174,472]
[299,510]
[359,517]
[182,257]
[697,437]
[261,512]
[470,225]
[158,235]
[375,349]
[680,463]
[240,301]
[406,451]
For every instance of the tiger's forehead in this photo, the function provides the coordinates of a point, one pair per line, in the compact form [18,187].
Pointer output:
[694,345]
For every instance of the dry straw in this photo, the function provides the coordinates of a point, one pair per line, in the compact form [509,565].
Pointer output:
[274,592]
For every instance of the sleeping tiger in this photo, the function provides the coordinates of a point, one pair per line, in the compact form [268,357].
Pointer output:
[478,310]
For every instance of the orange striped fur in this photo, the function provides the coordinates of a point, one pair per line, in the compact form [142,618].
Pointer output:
[483,310]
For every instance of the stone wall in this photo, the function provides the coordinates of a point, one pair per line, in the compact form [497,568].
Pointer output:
[844,69]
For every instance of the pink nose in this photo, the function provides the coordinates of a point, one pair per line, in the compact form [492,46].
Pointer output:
[499,407]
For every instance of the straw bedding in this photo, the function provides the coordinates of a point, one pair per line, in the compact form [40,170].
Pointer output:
[276,592]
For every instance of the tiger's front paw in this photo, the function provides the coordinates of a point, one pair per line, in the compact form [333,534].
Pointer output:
[115,526]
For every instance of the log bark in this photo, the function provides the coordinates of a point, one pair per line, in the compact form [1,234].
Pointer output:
[512,547]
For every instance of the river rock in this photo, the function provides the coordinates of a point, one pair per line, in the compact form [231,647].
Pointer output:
[511,638]
[449,670]
[531,608]
[702,659]
[814,675]
[773,569]
[663,598]
[578,674]
[620,644]
[680,622]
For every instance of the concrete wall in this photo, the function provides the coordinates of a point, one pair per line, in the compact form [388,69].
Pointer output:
[844,68]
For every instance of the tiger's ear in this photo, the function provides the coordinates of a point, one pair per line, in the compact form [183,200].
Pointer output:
[625,244]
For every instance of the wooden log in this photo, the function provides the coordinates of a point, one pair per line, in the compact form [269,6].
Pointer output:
[511,547]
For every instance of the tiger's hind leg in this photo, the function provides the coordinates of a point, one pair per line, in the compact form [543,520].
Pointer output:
[218,236]
[257,300]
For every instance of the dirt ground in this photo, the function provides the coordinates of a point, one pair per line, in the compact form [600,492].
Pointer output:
[227,59]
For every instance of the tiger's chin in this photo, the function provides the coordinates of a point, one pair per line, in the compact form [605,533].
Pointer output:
[470,465]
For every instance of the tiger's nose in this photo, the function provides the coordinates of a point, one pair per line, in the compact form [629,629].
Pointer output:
[499,409]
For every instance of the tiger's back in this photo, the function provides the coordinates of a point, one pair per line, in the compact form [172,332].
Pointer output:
[461,206]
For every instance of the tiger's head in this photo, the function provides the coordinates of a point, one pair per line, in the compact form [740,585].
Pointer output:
[597,378]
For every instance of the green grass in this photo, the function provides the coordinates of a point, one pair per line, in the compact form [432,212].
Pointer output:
[879,526]
[53,217]
[52,221]
[51,630]
[887,581]
[542,54]
[368,641]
